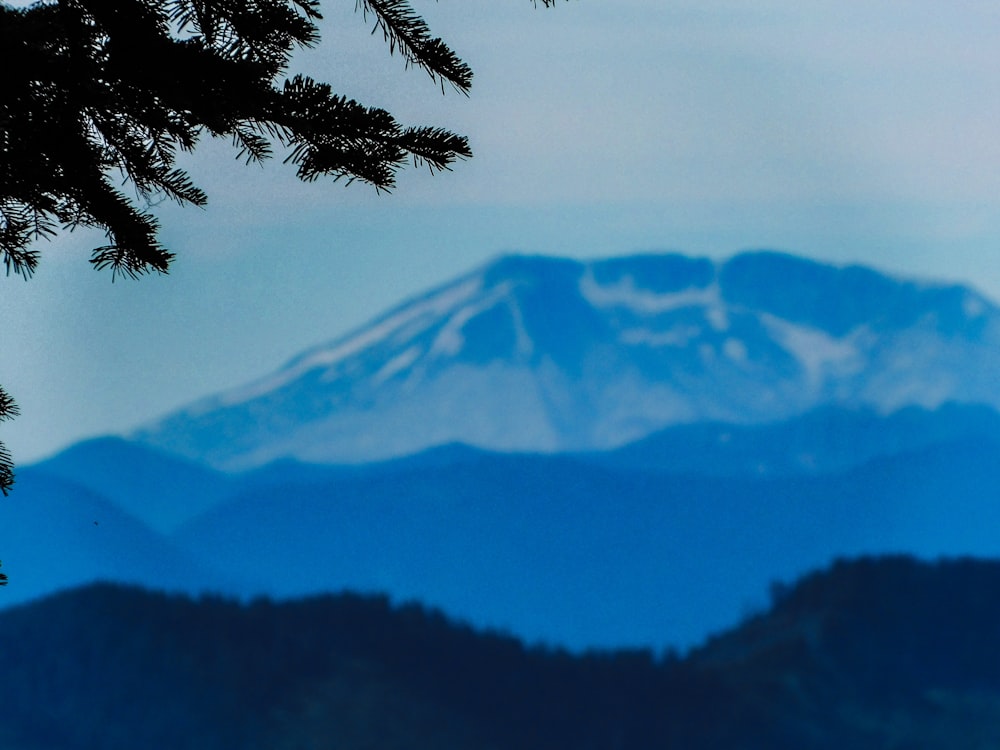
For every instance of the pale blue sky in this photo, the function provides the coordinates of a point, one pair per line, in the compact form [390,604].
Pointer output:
[845,131]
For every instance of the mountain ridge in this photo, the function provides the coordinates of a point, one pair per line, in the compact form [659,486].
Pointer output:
[531,353]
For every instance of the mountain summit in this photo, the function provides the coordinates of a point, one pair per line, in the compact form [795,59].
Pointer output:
[545,354]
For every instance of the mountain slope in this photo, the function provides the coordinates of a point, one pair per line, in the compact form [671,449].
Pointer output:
[825,440]
[540,354]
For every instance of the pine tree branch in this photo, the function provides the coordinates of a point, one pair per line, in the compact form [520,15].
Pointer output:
[435,147]
[20,225]
[406,31]
[97,88]
[332,135]
[8,410]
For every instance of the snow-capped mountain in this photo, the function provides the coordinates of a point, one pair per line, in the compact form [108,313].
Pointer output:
[544,354]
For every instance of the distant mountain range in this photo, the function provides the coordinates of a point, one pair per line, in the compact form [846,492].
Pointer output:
[867,655]
[623,452]
[682,531]
[549,355]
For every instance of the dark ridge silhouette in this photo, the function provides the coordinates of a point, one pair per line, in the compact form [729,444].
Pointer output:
[871,653]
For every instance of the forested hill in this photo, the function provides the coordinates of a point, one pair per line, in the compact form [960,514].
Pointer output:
[869,654]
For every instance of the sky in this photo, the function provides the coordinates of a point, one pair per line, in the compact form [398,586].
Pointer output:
[849,132]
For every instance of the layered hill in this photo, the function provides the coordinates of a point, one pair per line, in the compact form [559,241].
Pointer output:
[156,487]
[546,355]
[870,654]
[569,553]
[657,543]
[56,533]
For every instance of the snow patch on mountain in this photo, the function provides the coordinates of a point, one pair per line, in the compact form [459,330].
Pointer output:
[718,317]
[397,364]
[450,339]
[626,293]
[735,350]
[821,355]
[678,336]
[413,318]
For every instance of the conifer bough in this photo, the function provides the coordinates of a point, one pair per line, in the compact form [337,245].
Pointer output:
[97,95]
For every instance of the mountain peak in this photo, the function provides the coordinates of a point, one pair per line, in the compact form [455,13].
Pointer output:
[549,354]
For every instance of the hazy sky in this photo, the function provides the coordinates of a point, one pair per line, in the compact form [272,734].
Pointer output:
[847,131]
